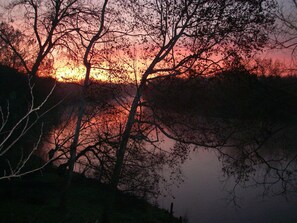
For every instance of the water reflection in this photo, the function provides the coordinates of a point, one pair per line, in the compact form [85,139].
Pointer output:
[270,163]
[251,179]
[204,197]
[226,164]
[99,140]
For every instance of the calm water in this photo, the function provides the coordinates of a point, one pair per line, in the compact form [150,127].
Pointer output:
[204,197]
[209,194]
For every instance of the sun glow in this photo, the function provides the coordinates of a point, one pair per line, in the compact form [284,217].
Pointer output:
[70,73]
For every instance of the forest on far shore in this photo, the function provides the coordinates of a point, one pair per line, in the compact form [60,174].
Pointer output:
[231,94]
[143,84]
[236,93]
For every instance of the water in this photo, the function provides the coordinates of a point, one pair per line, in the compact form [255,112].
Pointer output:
[216,188]
[204,196]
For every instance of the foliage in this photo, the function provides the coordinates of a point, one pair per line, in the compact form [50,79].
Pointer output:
[172,38]
[233,94]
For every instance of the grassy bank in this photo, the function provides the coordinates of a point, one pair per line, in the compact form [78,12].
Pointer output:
[36,199]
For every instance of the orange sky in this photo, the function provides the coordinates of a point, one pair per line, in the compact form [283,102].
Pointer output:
[66,72]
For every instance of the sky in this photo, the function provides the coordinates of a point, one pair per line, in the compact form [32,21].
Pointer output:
[283,56]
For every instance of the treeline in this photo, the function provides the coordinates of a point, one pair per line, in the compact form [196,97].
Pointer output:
[38,194]
[229,94]
[15,92]
[20,95]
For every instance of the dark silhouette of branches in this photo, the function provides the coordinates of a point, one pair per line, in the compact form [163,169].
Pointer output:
[200,29]
[45,25]
[286,29]
[262,158]
[13,128]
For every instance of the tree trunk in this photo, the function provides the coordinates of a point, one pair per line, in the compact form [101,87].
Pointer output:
[120,155]
[73,147]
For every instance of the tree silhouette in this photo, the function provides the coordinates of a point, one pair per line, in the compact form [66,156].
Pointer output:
[180,38]
[44,26]
[21,111]
[180,35]
[99,33]
[286,28]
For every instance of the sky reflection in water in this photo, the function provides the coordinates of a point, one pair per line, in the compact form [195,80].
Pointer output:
[203,197]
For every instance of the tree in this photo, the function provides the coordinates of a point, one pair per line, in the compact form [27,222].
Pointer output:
[286,27]
[82,104]
[93,46]
[8,56]
[262,157]
[179,36]
[17,124]
[166,39]
[44,26]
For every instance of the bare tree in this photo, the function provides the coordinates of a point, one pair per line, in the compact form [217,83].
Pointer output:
[88,40]
[261,156]
[12,131]
[44,26]
[286,27]
[180,36]
[8,57]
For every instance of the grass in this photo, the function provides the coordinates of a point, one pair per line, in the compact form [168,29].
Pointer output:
[35,199]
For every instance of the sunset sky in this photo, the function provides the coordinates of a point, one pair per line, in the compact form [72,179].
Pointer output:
[70,72]
[188,106]
[65,70]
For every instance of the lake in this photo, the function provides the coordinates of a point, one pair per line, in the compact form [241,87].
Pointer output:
[204,197]
[254,180]
[250,191]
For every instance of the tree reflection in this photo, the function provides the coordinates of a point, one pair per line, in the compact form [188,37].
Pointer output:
[262,156]
[101,134]
[253,152]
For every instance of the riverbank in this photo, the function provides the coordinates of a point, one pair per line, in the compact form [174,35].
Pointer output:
[36,198]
